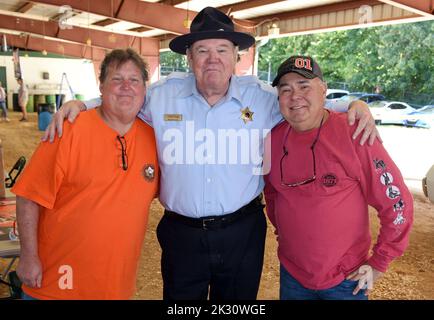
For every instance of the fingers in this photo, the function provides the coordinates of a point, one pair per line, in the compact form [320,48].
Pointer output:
[359,110]
[51,131]
[69,110]
[39,280]
[363,122]
[367,133]
[360,286]
[72,114]
[366,280]
[351,116]
[356,290]
[46,134]
[29,271]
[374,135]
[58,125]
[30,280]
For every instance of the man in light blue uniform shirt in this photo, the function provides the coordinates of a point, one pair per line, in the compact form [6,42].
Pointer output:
[210,128]
[188,138]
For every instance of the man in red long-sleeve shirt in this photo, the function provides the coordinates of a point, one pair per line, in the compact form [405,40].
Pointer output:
[318,191]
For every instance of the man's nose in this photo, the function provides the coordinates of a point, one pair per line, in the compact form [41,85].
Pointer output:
[125,83]
[212,55]
[296,94]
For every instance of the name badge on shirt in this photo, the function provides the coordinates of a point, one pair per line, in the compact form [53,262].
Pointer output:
[172,117]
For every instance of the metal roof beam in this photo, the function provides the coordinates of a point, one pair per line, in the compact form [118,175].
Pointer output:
[422,7]
[354,4]
[102,39]
[246,5]
[172,2]
[346,15]
[141,12]
[58,47]
[25,7]
[105,22]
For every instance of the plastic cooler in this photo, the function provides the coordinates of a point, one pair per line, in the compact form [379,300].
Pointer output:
[45,114]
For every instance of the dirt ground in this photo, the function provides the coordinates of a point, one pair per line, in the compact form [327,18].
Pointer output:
[409,277]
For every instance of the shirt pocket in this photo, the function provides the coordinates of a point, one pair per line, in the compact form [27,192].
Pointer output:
[332,177]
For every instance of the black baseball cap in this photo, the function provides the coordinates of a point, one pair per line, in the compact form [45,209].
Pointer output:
[303,65]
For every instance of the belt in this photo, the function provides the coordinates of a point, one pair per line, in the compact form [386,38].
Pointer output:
[214,222]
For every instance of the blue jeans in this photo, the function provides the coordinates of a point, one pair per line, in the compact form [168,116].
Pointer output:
[4,109]
[291,289]
[25,296]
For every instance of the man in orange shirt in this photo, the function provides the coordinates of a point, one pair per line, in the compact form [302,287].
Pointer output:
[82,217]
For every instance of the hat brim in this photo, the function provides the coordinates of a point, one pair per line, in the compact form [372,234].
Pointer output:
[303,73]
[181,43]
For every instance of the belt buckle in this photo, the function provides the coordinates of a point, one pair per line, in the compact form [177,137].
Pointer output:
[205,221]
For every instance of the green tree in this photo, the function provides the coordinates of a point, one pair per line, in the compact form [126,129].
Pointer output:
[171,61]
[398,58]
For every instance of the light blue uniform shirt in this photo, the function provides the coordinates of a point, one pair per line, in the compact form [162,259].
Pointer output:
[210,158]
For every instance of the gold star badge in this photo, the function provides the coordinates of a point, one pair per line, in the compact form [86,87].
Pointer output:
[148,172]
[246,115]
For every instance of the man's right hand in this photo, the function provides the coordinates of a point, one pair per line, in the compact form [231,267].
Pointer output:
[29,270]
[70,110]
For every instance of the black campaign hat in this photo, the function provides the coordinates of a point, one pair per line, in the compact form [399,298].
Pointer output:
[303,65]
[211,23]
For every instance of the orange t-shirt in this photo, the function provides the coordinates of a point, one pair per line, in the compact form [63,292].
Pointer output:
[93,214]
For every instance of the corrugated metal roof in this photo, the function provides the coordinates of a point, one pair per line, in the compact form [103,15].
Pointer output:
[281,6]
[326,14]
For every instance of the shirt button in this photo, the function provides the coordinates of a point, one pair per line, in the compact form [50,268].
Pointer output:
[208,180]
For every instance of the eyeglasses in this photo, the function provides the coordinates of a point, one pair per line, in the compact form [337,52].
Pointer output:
[123,148]
[285,153]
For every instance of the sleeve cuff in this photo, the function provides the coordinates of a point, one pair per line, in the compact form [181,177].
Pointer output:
[378,262]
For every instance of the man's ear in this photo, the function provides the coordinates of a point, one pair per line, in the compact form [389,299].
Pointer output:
[189,57]
[324,88]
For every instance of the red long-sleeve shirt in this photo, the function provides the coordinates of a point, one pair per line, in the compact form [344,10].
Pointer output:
[323,227]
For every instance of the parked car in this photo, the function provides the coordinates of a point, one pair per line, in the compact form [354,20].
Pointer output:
[390,112]
[422,118]
[342,103]
[334,94]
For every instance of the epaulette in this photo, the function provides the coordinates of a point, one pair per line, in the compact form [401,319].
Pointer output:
[255,81]
[173,76]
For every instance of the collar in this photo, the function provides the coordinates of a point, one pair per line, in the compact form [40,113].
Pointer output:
[189,88]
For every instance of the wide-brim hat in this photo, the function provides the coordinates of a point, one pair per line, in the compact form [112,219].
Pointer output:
[211,23]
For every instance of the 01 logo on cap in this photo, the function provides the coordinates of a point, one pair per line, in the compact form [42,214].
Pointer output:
[303,63]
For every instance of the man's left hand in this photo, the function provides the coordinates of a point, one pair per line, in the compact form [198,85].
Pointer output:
[359,110]
[366,275]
